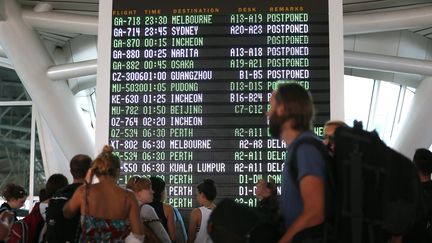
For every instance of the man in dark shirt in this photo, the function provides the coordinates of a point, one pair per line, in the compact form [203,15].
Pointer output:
[60,229]
[303,193]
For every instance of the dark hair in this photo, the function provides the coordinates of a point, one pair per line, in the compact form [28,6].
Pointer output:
[79,165]
[13,191]
[55,182]
[423,160]
[208,188]
[106,163]
[42,195]
[298,105]
[336,123]
[158,186]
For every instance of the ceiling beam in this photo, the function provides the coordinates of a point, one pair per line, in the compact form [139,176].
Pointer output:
[63,22]
[362,23]
[72,70]
[380,62]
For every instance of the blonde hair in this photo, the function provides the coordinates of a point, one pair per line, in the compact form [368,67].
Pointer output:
[136,183]
[106,163]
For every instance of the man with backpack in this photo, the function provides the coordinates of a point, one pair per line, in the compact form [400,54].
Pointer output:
[60,229]
[422,230]
[305,187]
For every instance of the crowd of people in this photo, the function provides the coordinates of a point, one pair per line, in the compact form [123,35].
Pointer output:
[126,214]
[94,208]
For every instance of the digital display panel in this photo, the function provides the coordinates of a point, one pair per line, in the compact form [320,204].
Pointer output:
[190,83]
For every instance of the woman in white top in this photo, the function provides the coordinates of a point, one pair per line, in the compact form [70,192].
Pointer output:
[206,193]
[142,188]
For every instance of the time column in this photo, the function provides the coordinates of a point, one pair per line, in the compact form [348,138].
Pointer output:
[138,85]
[154,104]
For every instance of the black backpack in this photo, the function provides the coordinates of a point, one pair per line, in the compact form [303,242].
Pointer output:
[378,188]
[60,229]
[231,222]
[427,208]
[376,191]
[422,230]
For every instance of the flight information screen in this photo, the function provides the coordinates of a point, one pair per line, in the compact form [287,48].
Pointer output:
[190,84]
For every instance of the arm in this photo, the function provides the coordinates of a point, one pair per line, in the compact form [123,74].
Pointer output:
[312,193]
[134,216]
[194,220]
[169,214]
[72,207]
[4,231]
[6,219]
[147,212]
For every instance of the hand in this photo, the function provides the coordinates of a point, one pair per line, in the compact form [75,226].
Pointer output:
[6,221]
[6,218]
[89,176]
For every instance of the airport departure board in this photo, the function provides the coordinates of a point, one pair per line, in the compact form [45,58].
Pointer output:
[190,85]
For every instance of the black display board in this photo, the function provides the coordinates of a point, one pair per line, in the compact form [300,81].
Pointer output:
[190,85]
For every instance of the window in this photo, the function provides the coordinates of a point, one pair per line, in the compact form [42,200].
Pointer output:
[380,105]
[383,110]
[15,135]
[357,96]
[86,100]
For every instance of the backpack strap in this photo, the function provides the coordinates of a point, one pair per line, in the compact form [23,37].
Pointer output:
[126,205]
[18,232]
[24,232]
[327,229]
[86,195]
[4,208]
[293,165]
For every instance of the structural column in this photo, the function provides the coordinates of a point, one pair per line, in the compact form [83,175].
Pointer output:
[416,130]
[53,99]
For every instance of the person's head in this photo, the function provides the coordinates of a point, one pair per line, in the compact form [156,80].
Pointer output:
[106,164]
[206,191]
[158,186]
[423,161]
[329,130]
[43,195]
[265,189]
[15,195]
[290,102]
[54,183]
[142,188]
[79,166]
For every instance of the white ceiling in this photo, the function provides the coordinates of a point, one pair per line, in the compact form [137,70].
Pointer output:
[90,7]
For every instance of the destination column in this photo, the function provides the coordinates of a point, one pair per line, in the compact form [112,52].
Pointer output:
[186,108]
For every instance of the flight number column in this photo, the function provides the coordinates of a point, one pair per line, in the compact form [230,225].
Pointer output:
[137,72]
